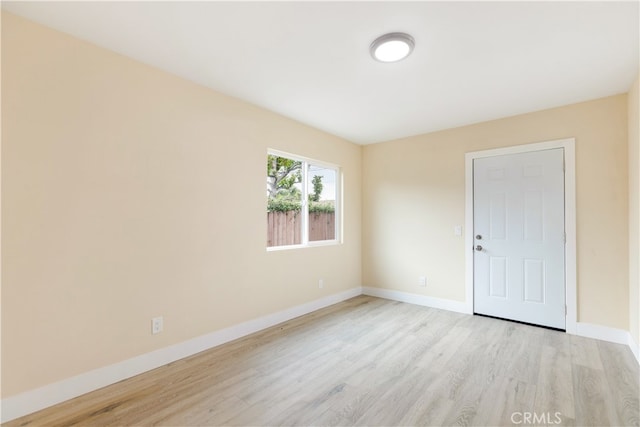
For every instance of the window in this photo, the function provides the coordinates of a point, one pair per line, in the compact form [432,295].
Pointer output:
[302,201]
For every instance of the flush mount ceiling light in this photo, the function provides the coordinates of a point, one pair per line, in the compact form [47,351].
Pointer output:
[392,47]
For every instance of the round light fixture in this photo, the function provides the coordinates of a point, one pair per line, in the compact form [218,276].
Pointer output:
[392,47]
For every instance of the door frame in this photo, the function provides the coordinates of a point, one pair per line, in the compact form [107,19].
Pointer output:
[570,276]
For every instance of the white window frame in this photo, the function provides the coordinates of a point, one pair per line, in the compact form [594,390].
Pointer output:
[305,243]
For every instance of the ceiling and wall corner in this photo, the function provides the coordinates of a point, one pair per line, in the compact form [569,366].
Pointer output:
[310,61]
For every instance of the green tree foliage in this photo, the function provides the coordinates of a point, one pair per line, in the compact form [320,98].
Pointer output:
[282,175]
[286,205]
[317,189]
[283,195]
[322,207]
[283,205]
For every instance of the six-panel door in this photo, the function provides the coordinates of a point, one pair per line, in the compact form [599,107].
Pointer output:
[519,237]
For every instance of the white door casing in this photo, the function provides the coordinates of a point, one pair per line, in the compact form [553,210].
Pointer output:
[519,237]
[568,146]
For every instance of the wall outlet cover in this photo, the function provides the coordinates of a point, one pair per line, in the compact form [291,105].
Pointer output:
[157,324]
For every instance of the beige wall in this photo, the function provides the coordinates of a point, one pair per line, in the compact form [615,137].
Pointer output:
[414,194]
[129,193]
[634,211]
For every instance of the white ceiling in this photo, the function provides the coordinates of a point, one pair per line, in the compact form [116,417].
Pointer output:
[473,61]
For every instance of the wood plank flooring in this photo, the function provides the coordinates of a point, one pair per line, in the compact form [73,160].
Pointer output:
[373,362]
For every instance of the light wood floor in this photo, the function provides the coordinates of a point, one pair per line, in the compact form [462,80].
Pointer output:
[374,362]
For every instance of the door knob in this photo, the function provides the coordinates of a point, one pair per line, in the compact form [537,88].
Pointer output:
[478,248]
[479,237]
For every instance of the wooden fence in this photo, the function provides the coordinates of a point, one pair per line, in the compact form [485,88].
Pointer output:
[283,228]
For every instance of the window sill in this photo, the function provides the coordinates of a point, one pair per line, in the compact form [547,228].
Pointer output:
[309,245]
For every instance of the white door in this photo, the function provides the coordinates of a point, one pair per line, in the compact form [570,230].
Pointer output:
[518,216]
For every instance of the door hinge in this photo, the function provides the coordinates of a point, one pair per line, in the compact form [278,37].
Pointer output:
[564,237]
[566,310]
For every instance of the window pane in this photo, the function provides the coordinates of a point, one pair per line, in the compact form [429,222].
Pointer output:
[284,201]
[321,185]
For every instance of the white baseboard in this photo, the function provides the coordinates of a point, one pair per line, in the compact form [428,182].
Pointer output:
[34,400]
[589,330]
[444,304]
[604,333]
[635,348]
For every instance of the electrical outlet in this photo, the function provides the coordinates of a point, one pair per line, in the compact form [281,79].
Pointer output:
[320,284]
[422,281]
[157,325]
